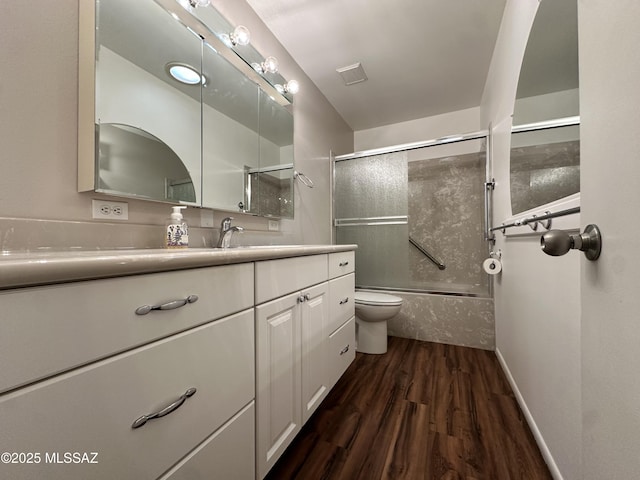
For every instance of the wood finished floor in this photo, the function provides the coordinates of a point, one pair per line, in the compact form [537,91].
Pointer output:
[422,411]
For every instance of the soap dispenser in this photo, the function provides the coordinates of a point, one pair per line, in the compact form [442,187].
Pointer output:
[177,231]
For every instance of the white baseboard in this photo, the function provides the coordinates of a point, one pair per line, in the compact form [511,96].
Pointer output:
[548,458]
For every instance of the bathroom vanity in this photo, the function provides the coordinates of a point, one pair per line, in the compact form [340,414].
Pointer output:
[172,365]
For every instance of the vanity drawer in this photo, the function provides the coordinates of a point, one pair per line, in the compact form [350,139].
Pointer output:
[275,278]
[227,454]
[342,350]
[341,263]
[92,409]
[47,330]
[341,301]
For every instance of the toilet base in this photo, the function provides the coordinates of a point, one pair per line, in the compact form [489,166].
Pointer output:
[371,337]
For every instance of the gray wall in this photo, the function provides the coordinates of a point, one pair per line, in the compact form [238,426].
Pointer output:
[39,203]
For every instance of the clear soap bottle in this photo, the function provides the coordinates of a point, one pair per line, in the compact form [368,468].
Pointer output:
[177,235]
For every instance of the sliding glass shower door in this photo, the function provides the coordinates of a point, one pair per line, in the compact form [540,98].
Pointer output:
[417,217]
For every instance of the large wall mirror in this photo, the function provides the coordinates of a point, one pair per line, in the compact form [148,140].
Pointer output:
[188,140]
[545,143]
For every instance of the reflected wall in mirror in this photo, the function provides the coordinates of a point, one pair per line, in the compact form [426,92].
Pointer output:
[157,138]
[133,89]
[135,163]
[229,132]
[545,158]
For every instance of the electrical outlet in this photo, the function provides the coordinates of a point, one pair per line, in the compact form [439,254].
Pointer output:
[108,210]
[274,226]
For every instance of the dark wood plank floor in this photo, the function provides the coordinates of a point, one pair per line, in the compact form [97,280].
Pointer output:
[422,411]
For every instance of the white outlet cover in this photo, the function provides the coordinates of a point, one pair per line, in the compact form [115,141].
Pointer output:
[274,225]
[109,210]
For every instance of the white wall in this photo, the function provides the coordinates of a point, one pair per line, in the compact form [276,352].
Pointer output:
[38,134]
[537,297]
[610,117]
[428,128]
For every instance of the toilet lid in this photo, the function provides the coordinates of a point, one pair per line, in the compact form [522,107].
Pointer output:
[372,298]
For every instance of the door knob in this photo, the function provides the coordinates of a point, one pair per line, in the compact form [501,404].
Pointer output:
[559,242]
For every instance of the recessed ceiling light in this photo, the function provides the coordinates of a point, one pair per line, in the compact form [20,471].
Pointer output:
[184,73]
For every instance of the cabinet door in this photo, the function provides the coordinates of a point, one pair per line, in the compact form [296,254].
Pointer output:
[278,401]
[314,315]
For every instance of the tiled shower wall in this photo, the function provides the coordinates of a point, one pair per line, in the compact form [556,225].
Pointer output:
[446,211]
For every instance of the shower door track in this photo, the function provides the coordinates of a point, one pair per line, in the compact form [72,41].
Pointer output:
[414,145]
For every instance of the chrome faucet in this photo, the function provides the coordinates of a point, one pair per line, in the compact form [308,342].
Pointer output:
[226,231]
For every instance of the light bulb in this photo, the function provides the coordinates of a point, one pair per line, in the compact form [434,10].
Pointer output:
[270,65]
[200,3]
[292,87]
[240,35]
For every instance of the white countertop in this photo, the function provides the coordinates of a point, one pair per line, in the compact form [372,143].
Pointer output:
[30,269]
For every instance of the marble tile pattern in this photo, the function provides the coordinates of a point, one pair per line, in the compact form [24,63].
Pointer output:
[543,173]
[446,215]
[450,319]
[274,195]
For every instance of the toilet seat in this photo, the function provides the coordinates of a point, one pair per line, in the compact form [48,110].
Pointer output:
[376,299]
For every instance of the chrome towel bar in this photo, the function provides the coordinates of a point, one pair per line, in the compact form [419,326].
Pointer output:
[535,219]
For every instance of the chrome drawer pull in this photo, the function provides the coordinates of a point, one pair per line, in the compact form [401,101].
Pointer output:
[166,410]
[345,300]
[343,264]
[344,350]
[143,310]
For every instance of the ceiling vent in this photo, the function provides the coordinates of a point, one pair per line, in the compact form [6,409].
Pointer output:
[352,74]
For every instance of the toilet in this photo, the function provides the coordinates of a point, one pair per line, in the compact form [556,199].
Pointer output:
[372,312]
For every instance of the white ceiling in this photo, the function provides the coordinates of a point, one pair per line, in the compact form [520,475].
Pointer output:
[422,57]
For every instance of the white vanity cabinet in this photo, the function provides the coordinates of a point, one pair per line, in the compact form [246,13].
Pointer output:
[205,370]
[193,366]
[303,344]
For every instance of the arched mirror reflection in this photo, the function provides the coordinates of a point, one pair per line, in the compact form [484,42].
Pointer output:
[545,144]
[135,163]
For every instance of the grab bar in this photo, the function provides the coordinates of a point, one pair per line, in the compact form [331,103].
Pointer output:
[534,219]
[424,251]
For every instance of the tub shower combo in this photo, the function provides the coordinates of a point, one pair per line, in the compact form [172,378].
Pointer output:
[420,215]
